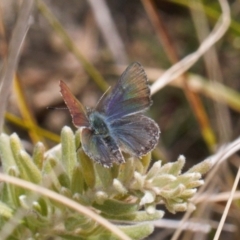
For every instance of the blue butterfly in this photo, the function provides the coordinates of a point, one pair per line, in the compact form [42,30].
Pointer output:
[116,124]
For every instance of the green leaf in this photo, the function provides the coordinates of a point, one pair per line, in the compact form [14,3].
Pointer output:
[69,158]
[30,171]
[114,207]
[60,172]
[146,160]
[173,193]
[77,183]
[44,206]
[7,157]
[50,180]
[38,155]
[154,170]
[16,146]
[119,187]
[104,175]
[126,172]
[163,180]
[78,139]
[177,166]
[87,168]
[139,216]
[14,191]
[5,210]
[202,167]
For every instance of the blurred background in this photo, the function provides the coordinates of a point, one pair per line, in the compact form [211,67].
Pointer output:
[104,38]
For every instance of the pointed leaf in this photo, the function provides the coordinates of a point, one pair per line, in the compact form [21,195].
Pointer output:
[38,155]
[114,207]
[69,158]
[87,168]
[7,157]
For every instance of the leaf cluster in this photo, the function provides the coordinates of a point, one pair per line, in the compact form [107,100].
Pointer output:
[127,193]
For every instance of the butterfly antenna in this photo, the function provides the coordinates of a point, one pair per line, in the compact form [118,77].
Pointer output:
[102,97]
[56,108]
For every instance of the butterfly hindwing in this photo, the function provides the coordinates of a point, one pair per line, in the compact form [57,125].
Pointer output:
[130,95]
[77,110]
[136,134]
[101,149]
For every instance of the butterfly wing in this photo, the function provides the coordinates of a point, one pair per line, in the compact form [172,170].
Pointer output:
[136,134]
[101,149]
[130,95]
[77,110]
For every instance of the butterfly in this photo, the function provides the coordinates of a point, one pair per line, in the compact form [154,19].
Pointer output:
[117,123]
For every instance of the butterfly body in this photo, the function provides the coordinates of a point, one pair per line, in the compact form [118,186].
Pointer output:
[98,124]
[117,123]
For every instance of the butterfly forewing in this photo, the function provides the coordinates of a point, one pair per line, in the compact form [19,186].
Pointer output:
[130,95]
[77,110]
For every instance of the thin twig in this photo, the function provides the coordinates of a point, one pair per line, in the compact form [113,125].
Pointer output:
[193,98]
[24,108]
[213,68]
[226,210]
[109,31]
[222,155]
[178,69]
[220,197]
[199,226]
[40,131]
[10,64]
[193,225]
[55,24]
[161,30]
